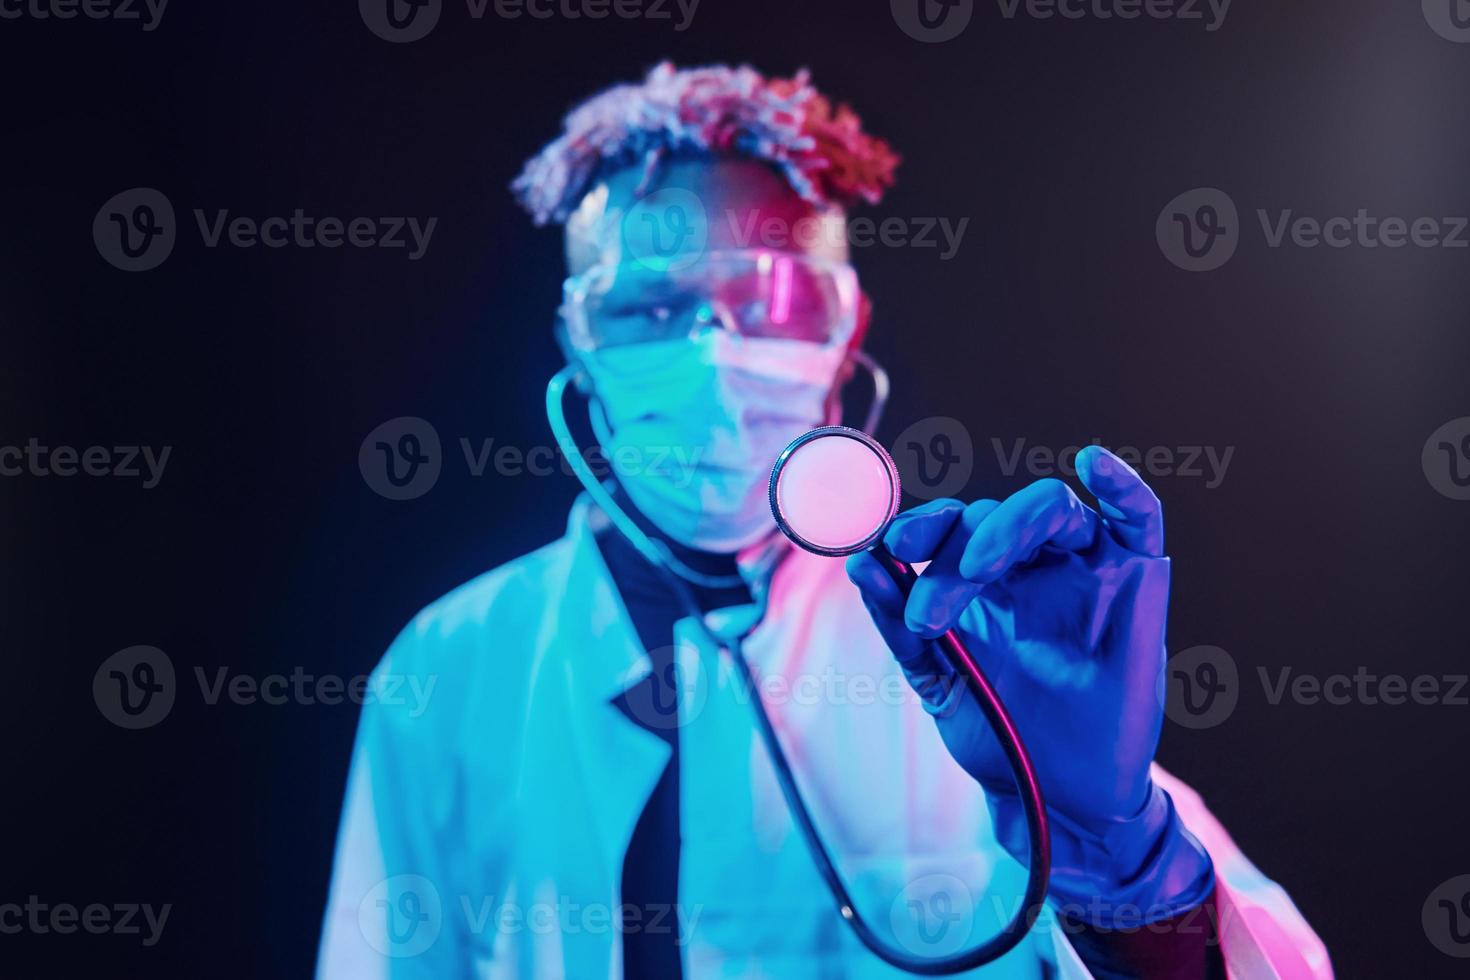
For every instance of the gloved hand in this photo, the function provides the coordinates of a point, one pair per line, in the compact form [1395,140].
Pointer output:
[1064,608]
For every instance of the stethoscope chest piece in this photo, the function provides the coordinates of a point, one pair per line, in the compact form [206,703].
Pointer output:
[834,490]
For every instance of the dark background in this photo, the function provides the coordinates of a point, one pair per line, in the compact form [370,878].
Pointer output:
[263,549]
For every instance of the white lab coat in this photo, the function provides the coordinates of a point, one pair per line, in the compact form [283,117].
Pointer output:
[494,823]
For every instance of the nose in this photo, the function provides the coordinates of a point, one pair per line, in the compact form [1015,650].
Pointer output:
[713,314]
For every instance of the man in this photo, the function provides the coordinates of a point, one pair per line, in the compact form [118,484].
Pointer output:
[588,796]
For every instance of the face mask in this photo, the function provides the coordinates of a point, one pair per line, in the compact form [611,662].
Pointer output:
[692,427]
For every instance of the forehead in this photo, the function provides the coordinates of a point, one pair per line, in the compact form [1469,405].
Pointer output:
[699,204]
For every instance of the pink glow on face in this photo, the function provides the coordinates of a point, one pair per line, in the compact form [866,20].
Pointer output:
[781,298]
[835,492]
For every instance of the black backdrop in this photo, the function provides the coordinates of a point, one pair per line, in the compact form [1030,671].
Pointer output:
[1325,548]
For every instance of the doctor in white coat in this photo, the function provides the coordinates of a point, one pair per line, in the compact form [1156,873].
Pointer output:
[586,793]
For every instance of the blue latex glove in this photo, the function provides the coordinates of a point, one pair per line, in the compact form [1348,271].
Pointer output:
[1064,607]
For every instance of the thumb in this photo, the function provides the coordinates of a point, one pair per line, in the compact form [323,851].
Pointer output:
[926,669]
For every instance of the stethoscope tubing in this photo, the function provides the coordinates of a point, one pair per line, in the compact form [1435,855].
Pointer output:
[1032,801]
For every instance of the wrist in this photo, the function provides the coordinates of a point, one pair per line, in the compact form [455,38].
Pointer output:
[1123,872]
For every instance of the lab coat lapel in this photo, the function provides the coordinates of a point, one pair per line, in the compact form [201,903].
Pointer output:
[613,760]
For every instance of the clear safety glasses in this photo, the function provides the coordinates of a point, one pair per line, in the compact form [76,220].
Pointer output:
[749,293]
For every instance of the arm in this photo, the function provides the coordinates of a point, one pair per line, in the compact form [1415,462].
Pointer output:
[390,906]
[1064,605]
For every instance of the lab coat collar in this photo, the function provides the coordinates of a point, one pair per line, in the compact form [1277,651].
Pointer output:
[610,659]
[619,762]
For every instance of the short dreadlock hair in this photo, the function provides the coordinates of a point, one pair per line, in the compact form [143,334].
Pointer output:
[823,152]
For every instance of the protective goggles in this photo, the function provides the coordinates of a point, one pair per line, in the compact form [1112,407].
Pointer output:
[749,293]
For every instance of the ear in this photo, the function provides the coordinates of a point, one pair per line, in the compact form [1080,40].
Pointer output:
[846,371]
[570,354]
[864,317]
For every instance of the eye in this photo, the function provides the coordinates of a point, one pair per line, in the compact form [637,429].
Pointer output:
[756,311]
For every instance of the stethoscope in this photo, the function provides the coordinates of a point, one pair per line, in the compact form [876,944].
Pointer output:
[833,492]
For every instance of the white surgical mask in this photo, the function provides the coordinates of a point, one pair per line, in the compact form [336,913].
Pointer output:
[691,428]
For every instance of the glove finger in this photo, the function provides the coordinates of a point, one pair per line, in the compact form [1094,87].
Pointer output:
[927,671]
[1134,515]
[1046,512]
[915,535]
[941,594]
